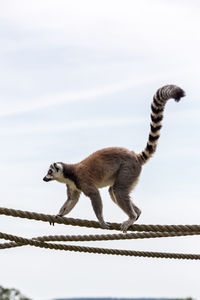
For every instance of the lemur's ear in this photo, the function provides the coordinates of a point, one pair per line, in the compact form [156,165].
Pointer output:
[58,166]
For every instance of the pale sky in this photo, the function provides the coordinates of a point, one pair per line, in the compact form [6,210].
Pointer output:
[77,76]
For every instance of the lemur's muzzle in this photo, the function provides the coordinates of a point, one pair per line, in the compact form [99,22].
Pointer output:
[46,179]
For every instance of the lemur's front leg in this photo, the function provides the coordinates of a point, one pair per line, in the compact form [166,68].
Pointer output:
[92,192]
[73,197]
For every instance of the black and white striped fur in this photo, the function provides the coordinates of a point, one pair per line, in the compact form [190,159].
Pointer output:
[157,109]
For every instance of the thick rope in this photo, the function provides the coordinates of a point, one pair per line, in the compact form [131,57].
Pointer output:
[102,237]
[40,244]
[95,224]
[144,231]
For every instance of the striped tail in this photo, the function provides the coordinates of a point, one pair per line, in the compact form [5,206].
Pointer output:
[157,108]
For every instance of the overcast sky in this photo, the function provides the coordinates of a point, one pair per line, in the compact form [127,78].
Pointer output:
[77,76]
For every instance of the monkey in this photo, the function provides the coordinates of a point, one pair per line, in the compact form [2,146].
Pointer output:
[116,167]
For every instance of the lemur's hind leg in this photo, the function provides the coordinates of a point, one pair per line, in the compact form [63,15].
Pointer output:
[120,194]
[124,202]
[113,197]
[137,210]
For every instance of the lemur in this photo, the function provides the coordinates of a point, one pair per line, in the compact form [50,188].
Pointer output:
[116,167]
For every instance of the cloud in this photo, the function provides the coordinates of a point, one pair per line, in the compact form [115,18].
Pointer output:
[93,94]
[70,126]
[66,97]
[177,117]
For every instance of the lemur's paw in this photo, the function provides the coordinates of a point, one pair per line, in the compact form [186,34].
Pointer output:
[104,225]
[53,223]
[125,225]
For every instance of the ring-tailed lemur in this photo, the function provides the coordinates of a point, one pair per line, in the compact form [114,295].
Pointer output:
[115,167]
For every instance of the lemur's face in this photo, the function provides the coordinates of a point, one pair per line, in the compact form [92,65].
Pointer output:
[55,172]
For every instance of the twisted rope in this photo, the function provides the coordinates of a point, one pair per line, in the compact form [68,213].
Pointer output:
[95,224]
[144,231]
[98,237]
[36,243]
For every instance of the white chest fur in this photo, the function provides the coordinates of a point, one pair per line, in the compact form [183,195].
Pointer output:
[69,182]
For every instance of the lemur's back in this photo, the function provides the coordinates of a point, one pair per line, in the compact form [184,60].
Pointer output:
[110,155]
[106,162]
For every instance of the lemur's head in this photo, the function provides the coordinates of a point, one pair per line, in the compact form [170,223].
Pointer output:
[55,172]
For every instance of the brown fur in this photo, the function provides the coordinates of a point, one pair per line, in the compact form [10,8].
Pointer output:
[100,169]
[117,168]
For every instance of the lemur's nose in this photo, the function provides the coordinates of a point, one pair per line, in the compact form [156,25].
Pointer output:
[45,179]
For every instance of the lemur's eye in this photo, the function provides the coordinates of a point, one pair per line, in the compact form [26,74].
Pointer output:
[50,172]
